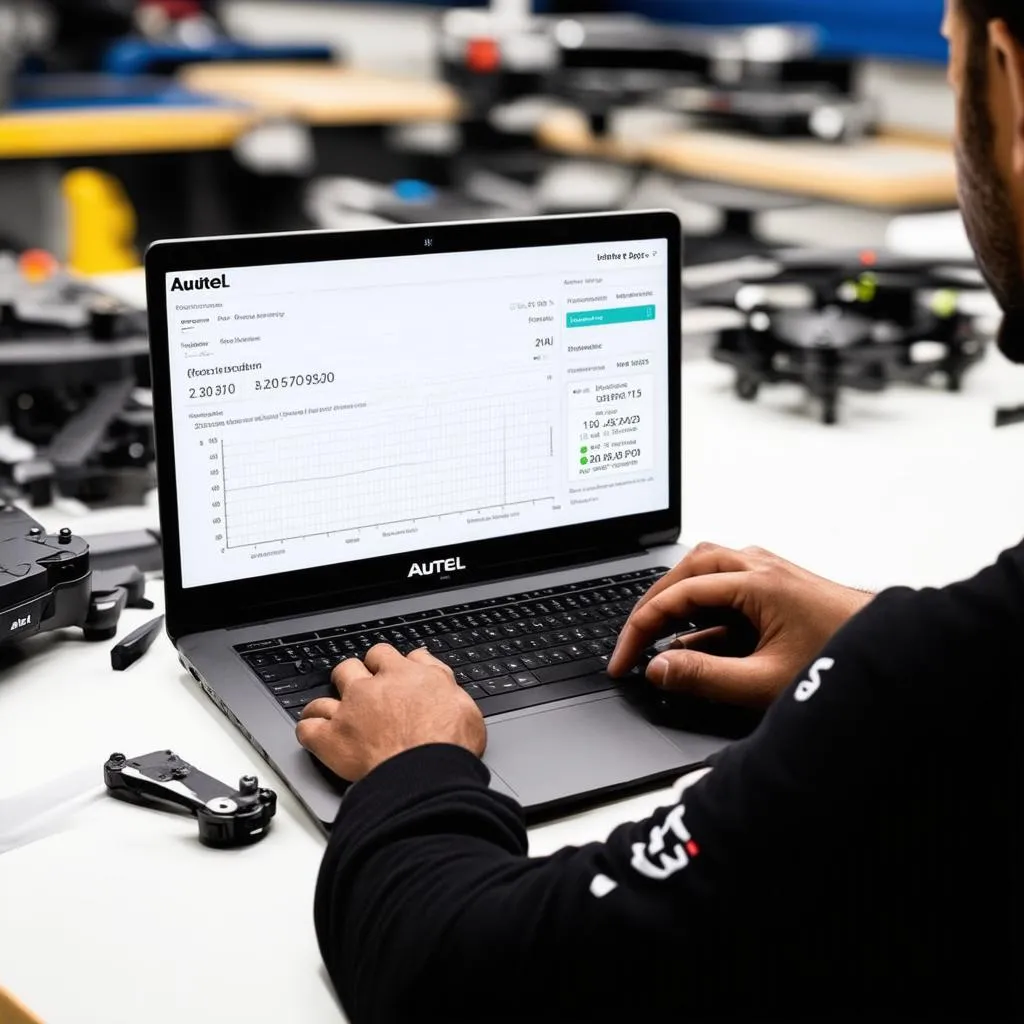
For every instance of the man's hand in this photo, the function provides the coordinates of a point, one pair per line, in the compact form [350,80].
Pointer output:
[389,704]
[794,612]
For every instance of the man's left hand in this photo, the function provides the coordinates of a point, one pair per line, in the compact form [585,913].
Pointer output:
[389,704]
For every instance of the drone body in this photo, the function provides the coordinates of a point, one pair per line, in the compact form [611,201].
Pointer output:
[835,320]
[71,359]
[770,80]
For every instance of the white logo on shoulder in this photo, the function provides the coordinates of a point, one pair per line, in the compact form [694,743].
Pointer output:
[810,686]
[655,858]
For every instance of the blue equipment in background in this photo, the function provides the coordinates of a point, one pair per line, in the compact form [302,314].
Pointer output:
[130,57]
[901,29]
[907,29]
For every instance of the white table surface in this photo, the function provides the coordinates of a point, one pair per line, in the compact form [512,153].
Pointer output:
[120,916]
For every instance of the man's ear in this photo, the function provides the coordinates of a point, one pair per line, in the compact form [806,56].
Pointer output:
[1010,53]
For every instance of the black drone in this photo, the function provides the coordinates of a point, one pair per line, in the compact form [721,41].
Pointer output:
[849,319]
[770,80]
[766,80]
[71,360]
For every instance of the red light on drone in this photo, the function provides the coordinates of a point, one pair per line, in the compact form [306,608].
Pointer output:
[869,258]
[37,265]
[483,56]
[176,9]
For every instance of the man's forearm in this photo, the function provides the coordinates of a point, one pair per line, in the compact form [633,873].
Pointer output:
[427,906]
[380,906]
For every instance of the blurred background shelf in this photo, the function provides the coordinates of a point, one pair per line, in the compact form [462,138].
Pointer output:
[323,95]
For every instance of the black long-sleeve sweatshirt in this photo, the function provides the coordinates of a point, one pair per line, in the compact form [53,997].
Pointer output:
[858,856]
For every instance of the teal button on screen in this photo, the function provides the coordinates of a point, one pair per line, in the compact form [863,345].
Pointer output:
[603,317]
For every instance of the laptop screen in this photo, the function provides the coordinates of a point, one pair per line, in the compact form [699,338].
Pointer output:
[337,411]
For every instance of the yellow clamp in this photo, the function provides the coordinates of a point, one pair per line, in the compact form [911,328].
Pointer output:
[101,223]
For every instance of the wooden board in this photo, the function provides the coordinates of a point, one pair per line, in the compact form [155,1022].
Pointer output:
[325,94]
[567,132]
[104,131]
[12,1012]
[884,171]
[876,172]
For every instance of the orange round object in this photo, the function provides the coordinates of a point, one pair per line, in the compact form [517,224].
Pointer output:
[483,55]
[37,265]
[869,258]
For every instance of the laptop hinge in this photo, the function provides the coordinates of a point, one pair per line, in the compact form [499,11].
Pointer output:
[497,572]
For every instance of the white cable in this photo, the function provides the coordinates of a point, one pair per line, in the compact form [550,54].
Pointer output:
[33,814]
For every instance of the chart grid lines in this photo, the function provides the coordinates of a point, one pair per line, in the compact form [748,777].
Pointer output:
[224,495]
[391,464]
[318,479]
[395,522]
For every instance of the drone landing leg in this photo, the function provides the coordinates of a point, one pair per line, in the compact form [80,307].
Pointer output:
[829,388]
[956,365]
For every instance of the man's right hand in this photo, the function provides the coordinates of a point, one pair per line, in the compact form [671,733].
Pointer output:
[794,612]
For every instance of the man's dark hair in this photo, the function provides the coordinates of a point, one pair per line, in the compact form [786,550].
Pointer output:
[980,12]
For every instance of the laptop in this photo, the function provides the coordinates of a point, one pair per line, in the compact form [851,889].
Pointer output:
[464,437]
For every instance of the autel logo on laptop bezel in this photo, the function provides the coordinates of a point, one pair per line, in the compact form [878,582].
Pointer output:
[438,566]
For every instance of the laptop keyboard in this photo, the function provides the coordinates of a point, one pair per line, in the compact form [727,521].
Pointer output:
[507,653]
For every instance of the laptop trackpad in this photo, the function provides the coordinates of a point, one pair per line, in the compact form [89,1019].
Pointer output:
[573,751]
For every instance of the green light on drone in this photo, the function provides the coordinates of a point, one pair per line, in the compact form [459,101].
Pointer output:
[867,288]
[945,303]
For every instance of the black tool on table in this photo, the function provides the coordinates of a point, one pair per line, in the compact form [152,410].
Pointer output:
[1009,416]
[227,817]
[135,645]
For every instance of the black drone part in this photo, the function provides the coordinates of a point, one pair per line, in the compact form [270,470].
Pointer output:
[163,780]
[829,281]
[45,579]
[70,358]
[892,269]
[47,582]
[847,259]
[827,356]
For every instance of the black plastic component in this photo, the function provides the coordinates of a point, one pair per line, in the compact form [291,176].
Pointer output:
[45,579]
[139,548]
[70,359]
[1010,417]
[47,582]
[135,645]
[227,817]
[104,614]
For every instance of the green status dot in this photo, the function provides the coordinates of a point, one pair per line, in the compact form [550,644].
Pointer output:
[583,462]
[946,303]
[583,450]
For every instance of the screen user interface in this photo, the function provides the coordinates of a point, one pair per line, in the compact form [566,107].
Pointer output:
[337,411]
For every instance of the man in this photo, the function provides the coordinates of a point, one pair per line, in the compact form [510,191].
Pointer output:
[859,855]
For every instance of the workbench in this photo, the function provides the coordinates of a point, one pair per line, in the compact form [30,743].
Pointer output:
[119,915]
[104,131]
[174,148]
[887,171]
[170,149]
[356,118]
[324,95]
